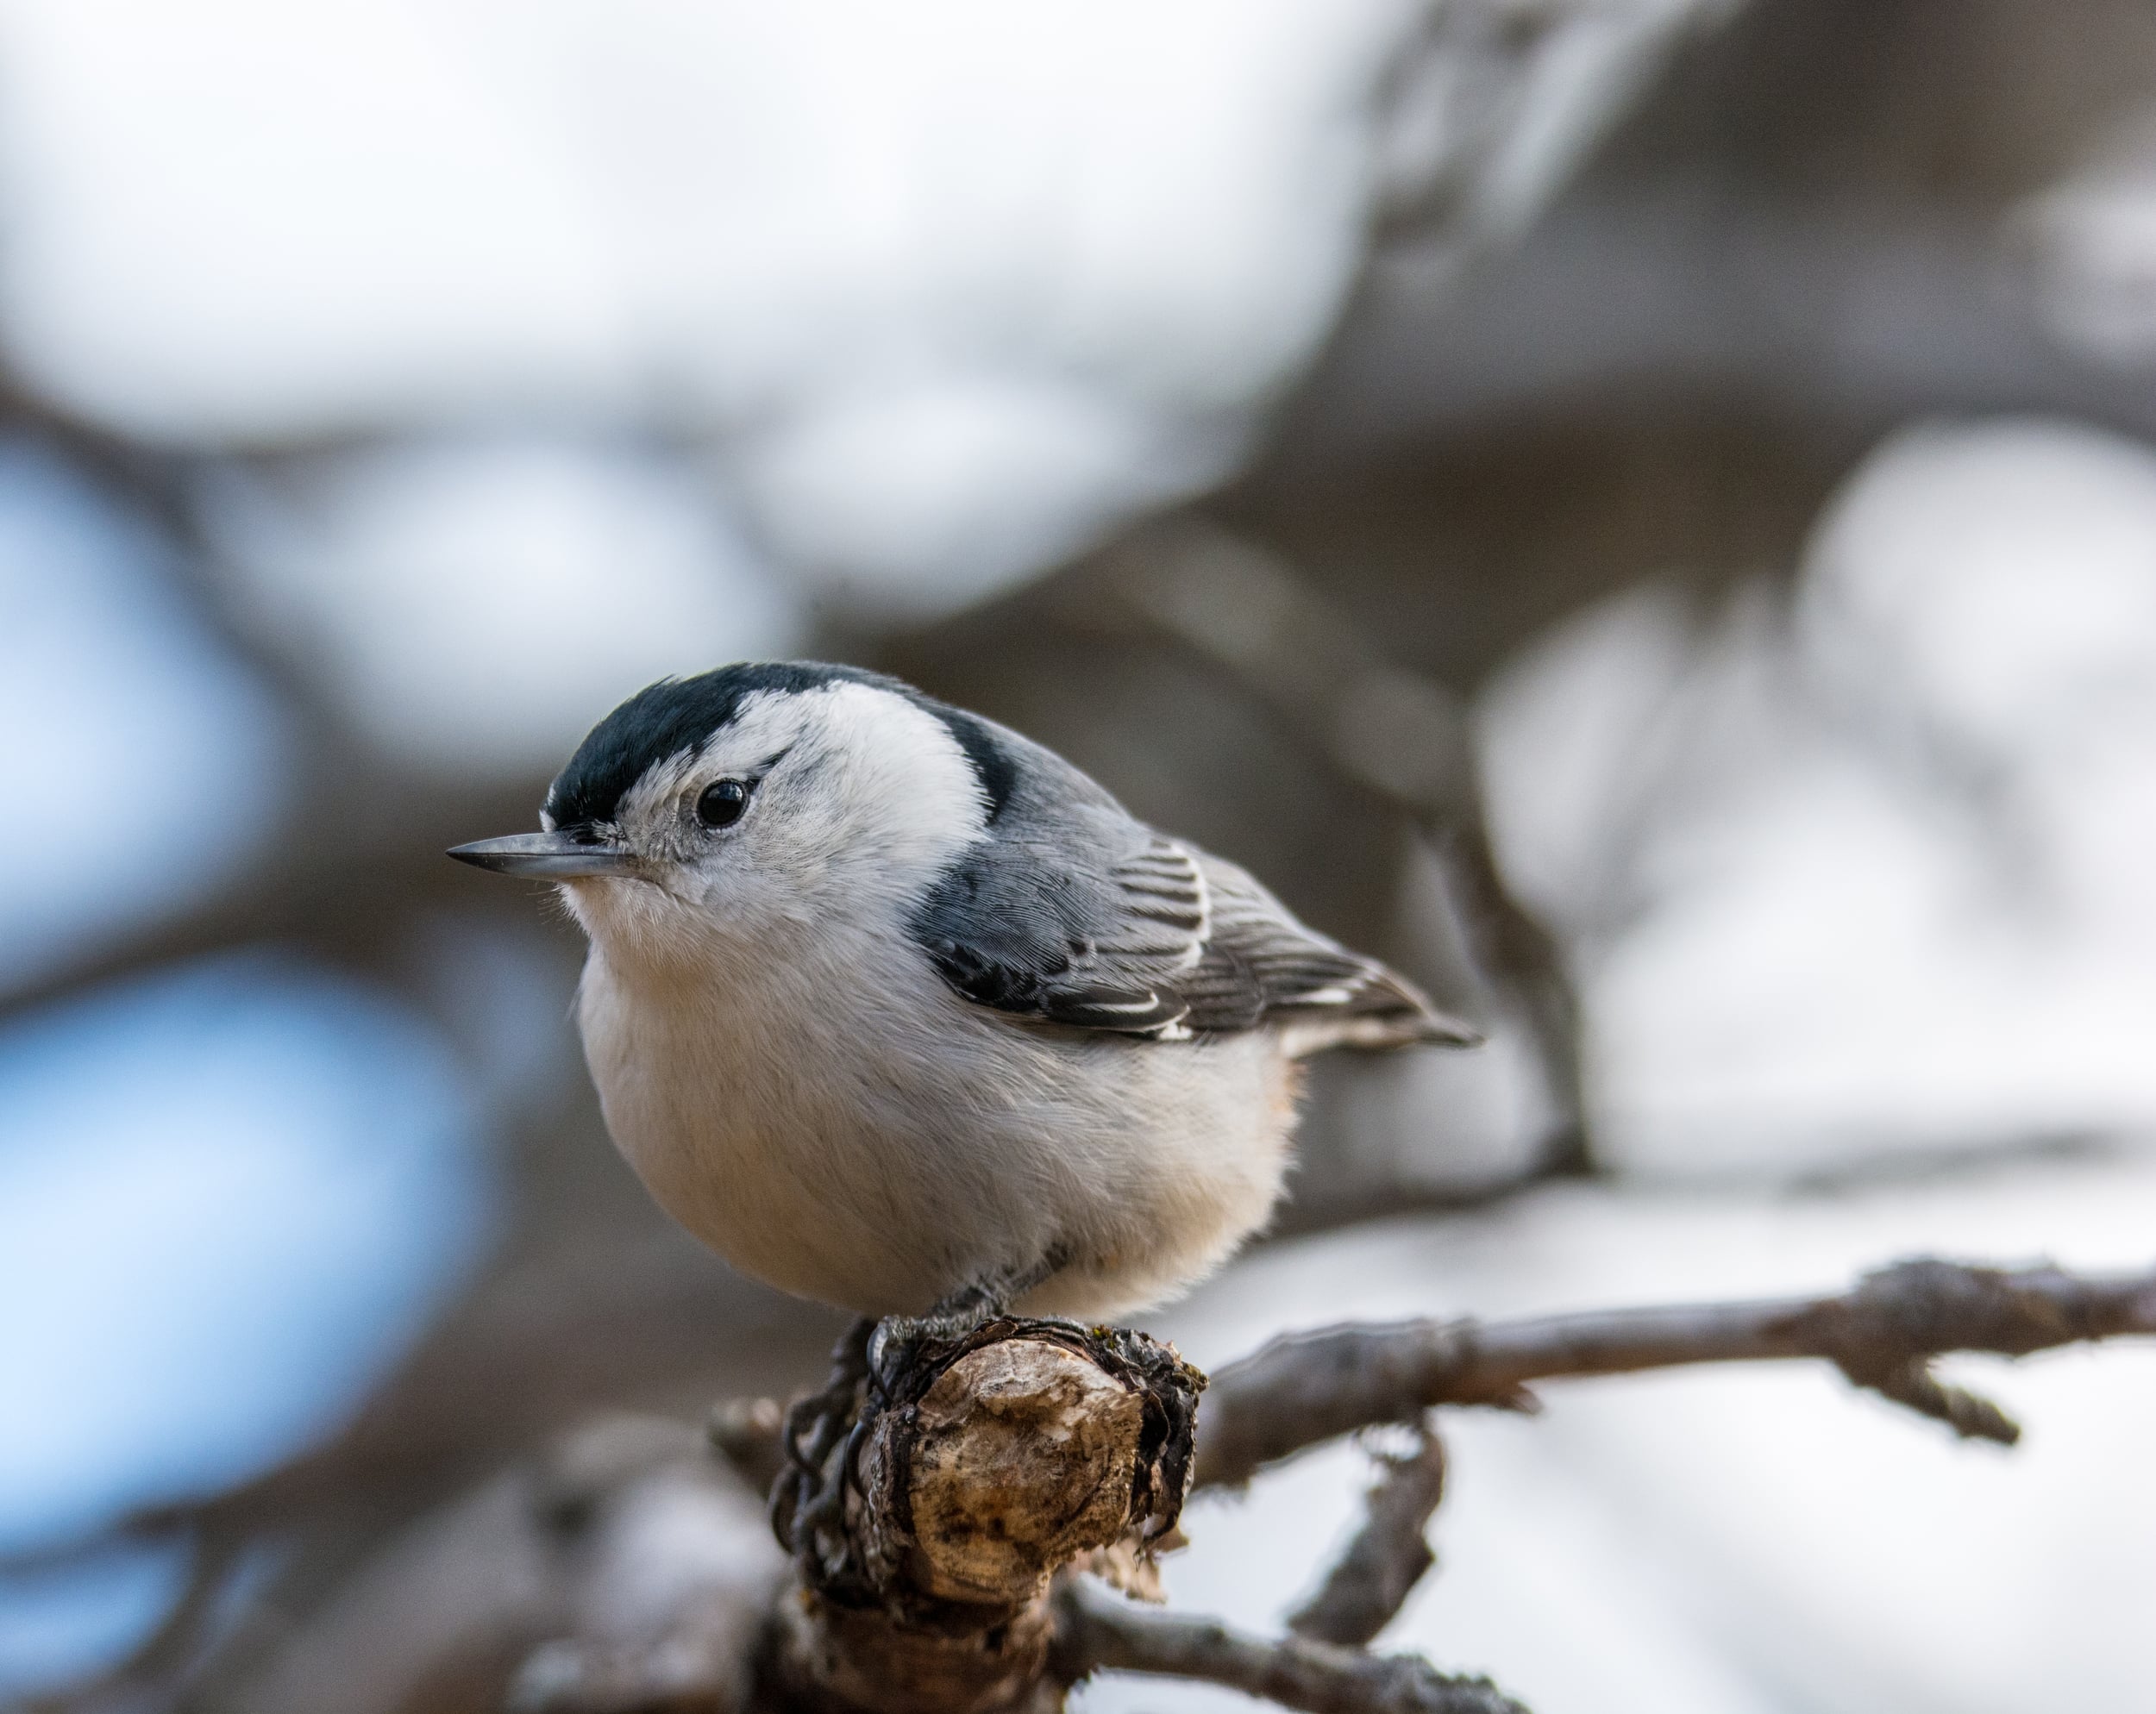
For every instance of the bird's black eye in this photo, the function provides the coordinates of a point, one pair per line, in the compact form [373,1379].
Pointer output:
[722,803]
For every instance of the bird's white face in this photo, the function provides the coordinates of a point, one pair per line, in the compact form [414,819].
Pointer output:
[841,803]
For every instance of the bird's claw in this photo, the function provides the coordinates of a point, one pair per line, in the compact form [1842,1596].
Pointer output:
[824,1428]
[818,1425]
[899,1341]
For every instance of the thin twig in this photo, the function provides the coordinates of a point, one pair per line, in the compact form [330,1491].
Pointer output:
[1306,1388]
[1389,1554]
[1098,1631]
[1399,734]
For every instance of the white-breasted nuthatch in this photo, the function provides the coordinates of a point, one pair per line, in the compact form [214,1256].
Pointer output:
[894,1008]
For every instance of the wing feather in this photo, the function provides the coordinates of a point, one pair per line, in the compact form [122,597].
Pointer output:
[1161,941]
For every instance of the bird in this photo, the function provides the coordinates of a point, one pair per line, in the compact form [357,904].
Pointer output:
[898,1010]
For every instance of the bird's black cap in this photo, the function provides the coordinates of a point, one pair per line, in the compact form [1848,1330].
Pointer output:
[674,715]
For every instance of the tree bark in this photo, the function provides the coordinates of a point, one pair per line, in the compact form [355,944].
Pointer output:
[977,1469]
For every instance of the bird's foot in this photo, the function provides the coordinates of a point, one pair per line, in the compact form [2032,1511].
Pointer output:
[808,1499]
[825,1431]
[899,1341]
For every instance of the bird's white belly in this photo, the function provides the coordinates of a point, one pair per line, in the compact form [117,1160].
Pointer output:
[882,1162]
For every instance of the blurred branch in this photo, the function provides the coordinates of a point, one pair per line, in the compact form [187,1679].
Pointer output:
[1096,1630]
[1389,1554]
[1399,735]
[1306,1388]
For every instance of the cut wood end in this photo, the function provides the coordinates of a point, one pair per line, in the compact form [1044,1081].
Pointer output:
[1024,1455]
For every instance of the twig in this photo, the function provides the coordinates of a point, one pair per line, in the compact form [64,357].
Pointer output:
[1306,1388]
[1389,1554]
[1399,734]
[1096,1630]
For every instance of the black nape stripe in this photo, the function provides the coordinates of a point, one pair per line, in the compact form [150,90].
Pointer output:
[993,763]
[674,715]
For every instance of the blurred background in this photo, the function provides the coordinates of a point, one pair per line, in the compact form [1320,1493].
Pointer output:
[1640,512]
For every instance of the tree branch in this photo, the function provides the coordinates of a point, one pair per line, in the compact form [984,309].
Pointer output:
[1097,1631]
[1399,735]
[1387,1555]
[936,1512]
[980,1469]
[1306,1388]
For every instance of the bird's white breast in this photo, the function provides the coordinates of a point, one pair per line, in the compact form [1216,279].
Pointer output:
[788,1073]
[835,1122]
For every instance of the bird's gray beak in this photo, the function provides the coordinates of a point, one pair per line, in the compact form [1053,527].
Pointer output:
[549,856]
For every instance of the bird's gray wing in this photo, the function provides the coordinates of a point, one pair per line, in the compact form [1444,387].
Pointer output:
[1260,965]
[1108,925]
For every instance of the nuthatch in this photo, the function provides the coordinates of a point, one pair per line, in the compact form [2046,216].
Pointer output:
[895,1009]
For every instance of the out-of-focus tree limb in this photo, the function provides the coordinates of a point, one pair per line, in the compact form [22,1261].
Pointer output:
[1306,1388]
[1397,734]
[1386,1559]
[1096,1630]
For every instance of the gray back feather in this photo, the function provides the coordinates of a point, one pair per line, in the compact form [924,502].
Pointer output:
[1070,911]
